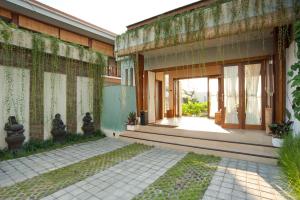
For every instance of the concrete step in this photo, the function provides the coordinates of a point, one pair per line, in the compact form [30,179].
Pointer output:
[257,137]
[250,152]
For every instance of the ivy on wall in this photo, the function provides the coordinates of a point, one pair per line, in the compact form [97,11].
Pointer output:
[41,61]
[14,103]
[294,75]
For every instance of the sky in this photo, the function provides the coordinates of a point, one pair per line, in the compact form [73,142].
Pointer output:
[115,15]
[194,84]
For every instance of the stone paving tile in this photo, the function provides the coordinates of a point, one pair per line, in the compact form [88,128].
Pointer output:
[124,180]
[244,180]
[20,169]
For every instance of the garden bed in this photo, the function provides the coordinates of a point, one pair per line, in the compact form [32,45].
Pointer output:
[38,146]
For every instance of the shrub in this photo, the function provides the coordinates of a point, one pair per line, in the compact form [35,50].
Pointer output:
[194,108]
[289,159]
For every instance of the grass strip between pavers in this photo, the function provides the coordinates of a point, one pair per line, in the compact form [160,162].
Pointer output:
[186,180]
[48,183]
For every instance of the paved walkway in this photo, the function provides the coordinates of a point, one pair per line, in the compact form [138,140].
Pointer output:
[239,180]
[125,180]
[17,170]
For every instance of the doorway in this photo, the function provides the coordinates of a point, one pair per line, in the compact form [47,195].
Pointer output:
[243,96]
[158,100]
[196,97]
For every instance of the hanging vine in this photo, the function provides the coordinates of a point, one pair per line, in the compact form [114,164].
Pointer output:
[54,69]
[294,74]
[37,70]
[168,29]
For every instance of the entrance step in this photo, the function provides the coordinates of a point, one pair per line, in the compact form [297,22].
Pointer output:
[257,137]
[245,151]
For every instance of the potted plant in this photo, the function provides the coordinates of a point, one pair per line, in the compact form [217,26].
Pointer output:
[279,131]
[132,122]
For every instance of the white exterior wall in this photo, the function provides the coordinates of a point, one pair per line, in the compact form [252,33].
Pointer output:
[291,58]
[55,100]
[15,102]
[84,99]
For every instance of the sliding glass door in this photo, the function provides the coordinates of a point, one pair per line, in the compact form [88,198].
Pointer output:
[231,96]
[253,95]
[243,96]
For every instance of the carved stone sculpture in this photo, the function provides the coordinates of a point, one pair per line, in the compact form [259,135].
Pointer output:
[88,126]
[15,136]
[58,129]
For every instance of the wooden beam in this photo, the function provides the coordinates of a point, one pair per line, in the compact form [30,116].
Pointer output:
[5,13]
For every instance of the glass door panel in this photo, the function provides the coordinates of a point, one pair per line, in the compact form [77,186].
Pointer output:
[253,97]
[213,90]
[231,94]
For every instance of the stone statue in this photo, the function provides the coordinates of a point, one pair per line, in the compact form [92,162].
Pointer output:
[58,128]
[88,127]
[15,136]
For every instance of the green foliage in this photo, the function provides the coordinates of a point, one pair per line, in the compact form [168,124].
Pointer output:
[168,29]
[289,159]
[280,130]
[131,118]
[294,74]
[192,108]
[92,68]
[37,146]
[188,179]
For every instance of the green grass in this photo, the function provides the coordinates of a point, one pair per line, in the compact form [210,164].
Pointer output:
[289,160]
[187,180]
[38,146]
[48,183]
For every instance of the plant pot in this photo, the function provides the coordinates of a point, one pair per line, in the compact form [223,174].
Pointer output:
[15,141]
[59,135]
[132,127]
[277,142]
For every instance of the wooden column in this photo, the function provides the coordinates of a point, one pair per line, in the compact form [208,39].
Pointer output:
[145,91]
[139,68]
[279,78]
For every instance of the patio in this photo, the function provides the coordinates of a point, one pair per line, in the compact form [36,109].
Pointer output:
[133,177]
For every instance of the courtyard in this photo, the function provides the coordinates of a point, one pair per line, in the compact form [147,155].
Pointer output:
[116,169]
[175,100]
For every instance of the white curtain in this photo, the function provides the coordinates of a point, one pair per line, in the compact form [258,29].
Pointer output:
[213,97]
[231,94]
[253,94]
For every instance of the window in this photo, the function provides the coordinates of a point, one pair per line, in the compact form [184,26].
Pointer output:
[131,77]
[126,77]
[167,93]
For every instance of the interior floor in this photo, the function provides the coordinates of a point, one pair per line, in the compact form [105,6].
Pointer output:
[202,124]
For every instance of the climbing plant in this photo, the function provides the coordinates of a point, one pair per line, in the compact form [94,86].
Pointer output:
[188,26]
[13,102]
[294,74]
[45,55]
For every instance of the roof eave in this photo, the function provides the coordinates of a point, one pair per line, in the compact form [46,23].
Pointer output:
[51,16]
